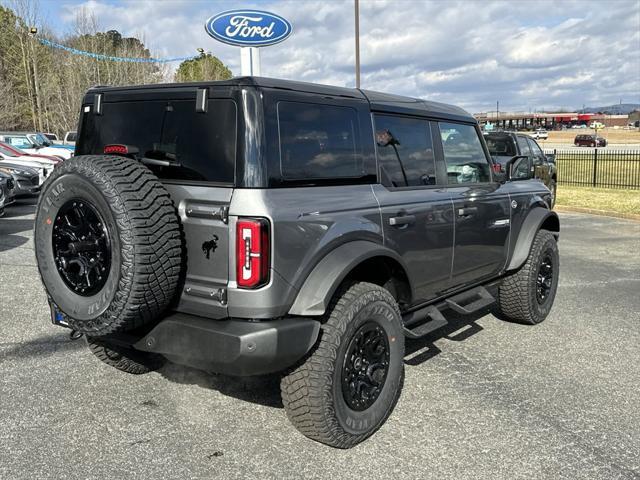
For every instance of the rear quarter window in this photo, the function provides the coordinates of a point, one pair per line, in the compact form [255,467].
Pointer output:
[319,142]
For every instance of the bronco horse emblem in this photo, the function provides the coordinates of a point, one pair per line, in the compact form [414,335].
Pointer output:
[210,246]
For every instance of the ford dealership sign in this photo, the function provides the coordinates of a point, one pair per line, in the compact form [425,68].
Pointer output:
[248,28]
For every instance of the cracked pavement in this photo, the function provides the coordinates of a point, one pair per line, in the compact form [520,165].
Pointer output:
[482,398]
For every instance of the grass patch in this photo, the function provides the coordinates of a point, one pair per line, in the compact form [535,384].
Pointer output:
[613,200]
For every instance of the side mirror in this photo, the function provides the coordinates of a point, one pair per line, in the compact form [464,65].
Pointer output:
[519,167]
[551,158]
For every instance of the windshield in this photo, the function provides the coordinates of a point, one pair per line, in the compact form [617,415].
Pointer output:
[6,152]
[39,139]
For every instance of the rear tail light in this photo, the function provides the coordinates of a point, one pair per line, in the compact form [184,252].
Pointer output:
[252,252]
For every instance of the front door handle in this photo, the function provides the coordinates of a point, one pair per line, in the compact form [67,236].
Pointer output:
[467,211]
[402,220]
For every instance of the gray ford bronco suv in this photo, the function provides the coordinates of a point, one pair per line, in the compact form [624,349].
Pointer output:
[254,226]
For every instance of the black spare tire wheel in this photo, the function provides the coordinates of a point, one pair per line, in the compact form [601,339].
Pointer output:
[108,244]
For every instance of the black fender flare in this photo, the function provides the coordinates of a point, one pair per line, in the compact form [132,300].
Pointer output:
[317,290]
[537,218]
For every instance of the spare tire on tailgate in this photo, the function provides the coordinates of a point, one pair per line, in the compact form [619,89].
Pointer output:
[108,244]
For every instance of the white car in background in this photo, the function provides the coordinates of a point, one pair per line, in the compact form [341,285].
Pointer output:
[35,143]
[44,166]
[539,134]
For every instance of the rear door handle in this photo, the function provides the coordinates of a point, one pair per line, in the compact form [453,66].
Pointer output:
[402,220]
[467,211]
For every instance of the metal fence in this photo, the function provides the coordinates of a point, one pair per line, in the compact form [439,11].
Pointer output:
[599,167]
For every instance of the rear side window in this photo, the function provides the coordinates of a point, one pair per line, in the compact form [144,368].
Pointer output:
[319,142]
[500,146]
[405,151]
[463,154]
[186,144]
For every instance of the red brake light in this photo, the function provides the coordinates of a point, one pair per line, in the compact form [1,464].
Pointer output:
[117,149]
[252,252]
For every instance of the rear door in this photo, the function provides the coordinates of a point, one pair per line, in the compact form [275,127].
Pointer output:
[481,206]
[193,152]
[417,214]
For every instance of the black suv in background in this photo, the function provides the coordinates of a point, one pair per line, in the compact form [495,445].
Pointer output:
[503,146]
[255,225]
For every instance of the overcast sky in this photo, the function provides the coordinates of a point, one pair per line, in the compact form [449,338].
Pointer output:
[528,55]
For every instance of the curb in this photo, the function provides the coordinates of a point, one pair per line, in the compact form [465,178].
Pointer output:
[593,211]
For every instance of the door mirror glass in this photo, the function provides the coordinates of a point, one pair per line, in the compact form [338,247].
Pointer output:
[551,158]
[520,167]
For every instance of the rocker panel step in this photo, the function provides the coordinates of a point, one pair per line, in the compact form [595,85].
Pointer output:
[470,301]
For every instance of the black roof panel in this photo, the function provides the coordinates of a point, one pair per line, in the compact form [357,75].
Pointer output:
[384,102]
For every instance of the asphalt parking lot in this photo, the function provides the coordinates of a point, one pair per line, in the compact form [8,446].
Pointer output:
[482,398]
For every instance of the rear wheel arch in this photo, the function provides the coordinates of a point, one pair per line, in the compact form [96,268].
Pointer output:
[354,261]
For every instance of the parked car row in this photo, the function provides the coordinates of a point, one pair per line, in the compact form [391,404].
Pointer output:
[35,142]
[26,161]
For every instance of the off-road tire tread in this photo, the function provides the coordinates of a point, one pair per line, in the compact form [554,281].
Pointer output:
[151,238]
[514,297]
[125,359]
[307,390]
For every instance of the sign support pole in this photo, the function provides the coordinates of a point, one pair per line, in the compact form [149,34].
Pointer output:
[357,28]
[250,61]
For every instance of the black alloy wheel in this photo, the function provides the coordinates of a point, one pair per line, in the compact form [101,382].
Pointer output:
[544,280]
[365,366]
[81,247]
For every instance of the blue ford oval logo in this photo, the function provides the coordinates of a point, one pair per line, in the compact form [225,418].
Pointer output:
[248,28]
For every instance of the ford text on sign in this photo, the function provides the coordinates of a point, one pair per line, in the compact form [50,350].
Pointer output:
[248,28]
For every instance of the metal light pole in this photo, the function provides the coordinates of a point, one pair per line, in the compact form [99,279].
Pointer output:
[357,15]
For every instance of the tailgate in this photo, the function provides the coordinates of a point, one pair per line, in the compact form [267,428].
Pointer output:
[204,215]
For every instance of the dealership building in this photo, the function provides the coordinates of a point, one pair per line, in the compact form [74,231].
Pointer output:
[523,120]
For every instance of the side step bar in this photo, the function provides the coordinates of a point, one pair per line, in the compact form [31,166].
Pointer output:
[470,301]
[421,322]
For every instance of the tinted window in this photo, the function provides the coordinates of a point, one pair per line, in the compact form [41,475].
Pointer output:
[500,145]
[524,146]
[319,142]
[463,153]
[192,145]
[405,151]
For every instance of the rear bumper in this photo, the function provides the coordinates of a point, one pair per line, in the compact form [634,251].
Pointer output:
[232,346]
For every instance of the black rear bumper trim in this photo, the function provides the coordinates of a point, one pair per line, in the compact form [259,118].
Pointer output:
[233,346]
